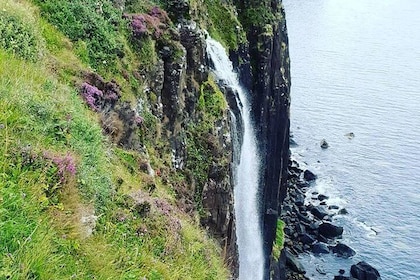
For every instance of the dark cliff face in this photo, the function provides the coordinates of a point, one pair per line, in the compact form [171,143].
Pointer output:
[268,77]
[201,149]
[263,64]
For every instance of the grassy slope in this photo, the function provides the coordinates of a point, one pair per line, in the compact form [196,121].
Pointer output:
[42,120]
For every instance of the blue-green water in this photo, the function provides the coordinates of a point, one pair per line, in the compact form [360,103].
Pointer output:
[356,68]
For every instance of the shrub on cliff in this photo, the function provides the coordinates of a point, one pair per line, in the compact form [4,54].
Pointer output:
[278,242]
[94,22]
[223,24]
[154,23]
[18,32]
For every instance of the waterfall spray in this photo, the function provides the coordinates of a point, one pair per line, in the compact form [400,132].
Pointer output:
[246,174]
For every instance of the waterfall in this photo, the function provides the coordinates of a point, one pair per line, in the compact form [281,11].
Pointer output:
[246,174]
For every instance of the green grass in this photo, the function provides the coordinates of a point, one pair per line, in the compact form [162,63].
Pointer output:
[95,23]
[223,24]
[201,142]
[43,117]
[279,241]
[18,31]
[41,233]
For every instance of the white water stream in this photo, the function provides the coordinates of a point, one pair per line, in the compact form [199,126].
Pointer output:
[248,224]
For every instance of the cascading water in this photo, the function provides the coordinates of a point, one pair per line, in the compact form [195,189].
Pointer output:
[248,225]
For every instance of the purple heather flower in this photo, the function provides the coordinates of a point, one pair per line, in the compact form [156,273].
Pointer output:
[91,94]
[159,13]
[65,164]
[139,26]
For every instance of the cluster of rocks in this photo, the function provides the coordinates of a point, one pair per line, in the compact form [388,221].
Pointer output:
[360,271]
[309,226]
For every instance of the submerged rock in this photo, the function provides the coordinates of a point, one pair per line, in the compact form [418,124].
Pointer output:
[364,271]
[324,144]
[350,135]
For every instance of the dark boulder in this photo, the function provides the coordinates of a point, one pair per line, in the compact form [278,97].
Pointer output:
[309,175]
[294,263]
[307,239]
[322,197]
[302,185]
[300,200]
[324,144]
[343,211]
[319,212]
[303,218]
[322,238]
[314,225]
[342,250]
[320,248]
[364,271]
[329,230]
[292,143]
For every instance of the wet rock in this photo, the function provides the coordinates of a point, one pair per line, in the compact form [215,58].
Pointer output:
[343,211]
[322,238]
[292,143]
[300,229]
[322,197]
[303,218]
[320,248]
[324,144]
[307,239]
[309,175]
[321,270]
[350,135]
[294,263]
[333,207]
[341,271]
[364,271]
[329,230]
[287,208]
[319,212]
[300,200]
[342,250]
[302,185]
[341,277]
[314,225]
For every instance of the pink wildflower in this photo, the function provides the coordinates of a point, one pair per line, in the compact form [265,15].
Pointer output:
[91,95]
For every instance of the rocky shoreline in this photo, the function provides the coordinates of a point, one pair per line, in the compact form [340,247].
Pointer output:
[309,228]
